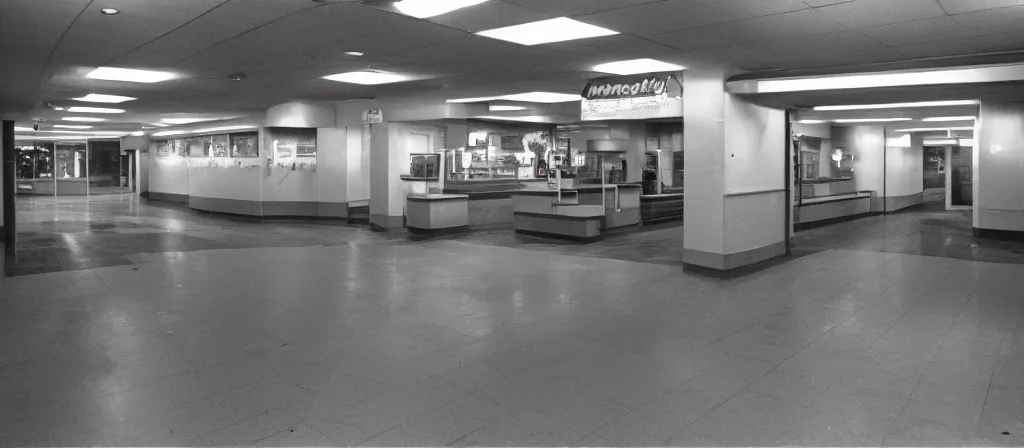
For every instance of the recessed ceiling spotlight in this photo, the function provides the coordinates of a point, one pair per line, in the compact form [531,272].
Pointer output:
[422,9]
[85,119]
[900,105]
[636,66]
[95,110]
[530,97]
[129,75]
[367,77]
[547,31]
[110,11]
[354,53]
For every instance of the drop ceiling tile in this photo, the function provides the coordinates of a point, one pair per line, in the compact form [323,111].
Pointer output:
[673,15]
[576,7]
[964,46]
[841,42]
[61,8]
[489,15]
[761,29]
[926,30]
[994,21]
[962,6]
[865,13]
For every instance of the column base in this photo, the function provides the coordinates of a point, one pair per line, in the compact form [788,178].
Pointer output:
[733,265]
[381,223]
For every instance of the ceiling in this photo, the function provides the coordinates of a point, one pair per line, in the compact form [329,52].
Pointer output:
[286,46]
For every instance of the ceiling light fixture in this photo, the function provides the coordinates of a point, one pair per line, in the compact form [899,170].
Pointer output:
[530,97]
[870,120]
[138,134]
[110,11]
[940,76]
[961,128]
[71,126]
[636,66]
[504,108]
[942,142]
[422,9]
[183,121]
[528,118]
[129,75]
[965,118]
[354,53]
[95,110]
[58,108]
[367,77]
[166,133]
[99,98]
[900,105]
[812,121]
[547,31]
[85,119]
[206,131]
[22,129]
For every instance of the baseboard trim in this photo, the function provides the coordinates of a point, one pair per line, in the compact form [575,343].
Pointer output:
[168,197]
[1002,235]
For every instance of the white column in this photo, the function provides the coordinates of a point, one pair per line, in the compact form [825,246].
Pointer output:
[735,204]
[998,165]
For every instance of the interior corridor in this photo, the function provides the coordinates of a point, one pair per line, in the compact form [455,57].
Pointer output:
[204,334]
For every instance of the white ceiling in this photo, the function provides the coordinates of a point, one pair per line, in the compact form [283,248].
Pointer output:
[286,46]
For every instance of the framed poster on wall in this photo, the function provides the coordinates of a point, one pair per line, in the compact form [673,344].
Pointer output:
[220,146]
[245,145]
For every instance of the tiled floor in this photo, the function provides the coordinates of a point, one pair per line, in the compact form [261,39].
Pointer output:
[346,338]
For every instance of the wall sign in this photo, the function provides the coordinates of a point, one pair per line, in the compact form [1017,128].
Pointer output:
[632,98]
[373,116]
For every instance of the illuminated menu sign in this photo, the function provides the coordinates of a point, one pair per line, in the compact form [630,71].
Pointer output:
[635,97]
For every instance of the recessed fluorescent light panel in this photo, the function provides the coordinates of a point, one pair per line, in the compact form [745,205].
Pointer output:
[812,121]
[528,118]
[367,77]
[870,120]
[83,119]
[71,126]
[98,98]
[504,108]
[129,75]
[421,9]
[900,105]
[966,118]
[95,110]
[958,75]
[547,31]
[531,97]
[961,128]
[183,120]
[939,142]
[636,66]
[138,134]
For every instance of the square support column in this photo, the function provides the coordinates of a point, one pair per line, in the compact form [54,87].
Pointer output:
[735,204]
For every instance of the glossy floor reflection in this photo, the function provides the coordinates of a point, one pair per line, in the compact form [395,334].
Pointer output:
[398,343]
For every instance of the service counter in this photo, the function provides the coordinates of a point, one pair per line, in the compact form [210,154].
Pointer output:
[560,215]
[621,203]
[436,212]
[661,207]
[822,209]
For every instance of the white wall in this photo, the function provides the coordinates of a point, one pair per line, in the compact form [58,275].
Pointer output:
[331,165]
[357,167]
[867,144]
[999,167]
[167,174]
[904,169]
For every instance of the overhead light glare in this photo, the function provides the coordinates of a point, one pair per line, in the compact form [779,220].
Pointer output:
[547,31]
[504,108]
[958,128]
[71,126]
[354,53]
[110,11]
[943,76]
[138,134]
[129,75]
[98,98]
[812,121]
[870,120]
[900,105]
[166,133]
[527,118]
[83,119]
[21,129]
[964,118]
[636,66]
[367,77]
[422,9]
[95,110]
[58,108]
[182,121]
[531,97]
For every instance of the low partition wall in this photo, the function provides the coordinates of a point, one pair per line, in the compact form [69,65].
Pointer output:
[826,209]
